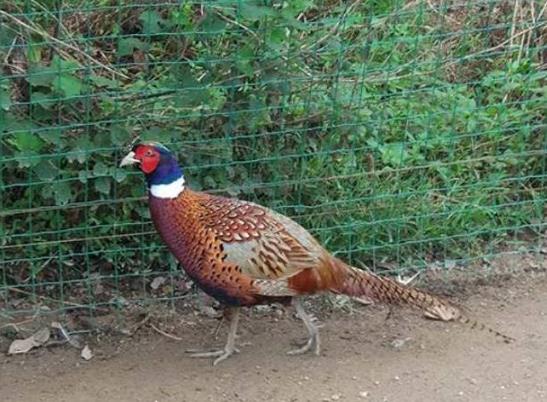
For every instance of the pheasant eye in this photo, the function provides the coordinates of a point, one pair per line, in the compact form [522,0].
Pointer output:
[149,153]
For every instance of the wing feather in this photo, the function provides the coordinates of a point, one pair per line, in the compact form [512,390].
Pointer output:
[262,243]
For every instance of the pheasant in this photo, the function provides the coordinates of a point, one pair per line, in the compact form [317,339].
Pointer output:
[244,254]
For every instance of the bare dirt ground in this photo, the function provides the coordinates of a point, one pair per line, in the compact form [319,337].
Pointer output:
[368,355]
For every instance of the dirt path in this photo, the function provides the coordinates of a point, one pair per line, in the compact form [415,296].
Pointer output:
[365,358]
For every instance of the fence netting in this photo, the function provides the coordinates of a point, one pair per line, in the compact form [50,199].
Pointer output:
[402,134]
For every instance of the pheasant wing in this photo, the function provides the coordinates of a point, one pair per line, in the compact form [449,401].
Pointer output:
[262,243]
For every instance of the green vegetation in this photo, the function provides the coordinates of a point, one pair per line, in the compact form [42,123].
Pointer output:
[398,131]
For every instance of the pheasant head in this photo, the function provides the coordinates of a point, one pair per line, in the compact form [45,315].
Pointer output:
[161,168]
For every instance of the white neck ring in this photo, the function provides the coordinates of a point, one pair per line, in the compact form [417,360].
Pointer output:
[171,190]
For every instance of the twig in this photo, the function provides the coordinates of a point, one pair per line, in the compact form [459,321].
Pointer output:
[514,22]
[13,42]
[61,43]
[490,49]
[363,300]
[16,290]
[75,240]
[159,331]
[6,62]
[406,281]
[54,343]
[252,33]
[138,325]
[14,325]
[334,28]
[239,24]
[72,342]
[436,11]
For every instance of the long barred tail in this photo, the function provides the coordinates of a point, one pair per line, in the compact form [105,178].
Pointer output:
[474,324]
[357,282]
[380,289]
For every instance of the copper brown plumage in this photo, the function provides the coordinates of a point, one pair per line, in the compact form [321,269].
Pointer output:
[244,254]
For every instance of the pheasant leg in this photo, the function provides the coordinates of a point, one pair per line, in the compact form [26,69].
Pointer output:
[313,342]
[232,314]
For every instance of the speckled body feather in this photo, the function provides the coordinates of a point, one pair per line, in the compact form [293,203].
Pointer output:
[244,254]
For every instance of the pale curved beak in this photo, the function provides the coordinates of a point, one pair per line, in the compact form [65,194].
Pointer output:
[129,159]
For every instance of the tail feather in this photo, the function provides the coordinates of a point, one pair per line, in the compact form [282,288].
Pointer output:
[381,289]
[357,282]
[474,324]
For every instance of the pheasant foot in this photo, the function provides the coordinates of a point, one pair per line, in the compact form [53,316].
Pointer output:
[232,315]
[313,342]
[220,354]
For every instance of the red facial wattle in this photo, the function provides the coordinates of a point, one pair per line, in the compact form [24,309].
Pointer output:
[149,158]
[149,164]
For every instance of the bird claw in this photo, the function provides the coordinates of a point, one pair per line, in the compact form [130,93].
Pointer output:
[220,354]
[312,342]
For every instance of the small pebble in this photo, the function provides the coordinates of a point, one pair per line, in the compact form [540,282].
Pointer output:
[363,394]
[399,343]
[335,397]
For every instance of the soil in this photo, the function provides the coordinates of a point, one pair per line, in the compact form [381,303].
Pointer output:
[369,353]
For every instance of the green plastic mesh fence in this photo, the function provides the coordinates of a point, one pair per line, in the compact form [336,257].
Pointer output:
[403,134]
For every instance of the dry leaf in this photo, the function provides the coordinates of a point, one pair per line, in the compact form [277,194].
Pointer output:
[363,300]
[86,353]
[24,345]
[157,282]
[72,341]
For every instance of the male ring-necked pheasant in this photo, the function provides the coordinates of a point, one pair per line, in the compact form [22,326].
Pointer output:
[244,254]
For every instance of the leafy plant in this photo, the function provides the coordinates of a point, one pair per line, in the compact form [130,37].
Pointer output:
[394,131]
